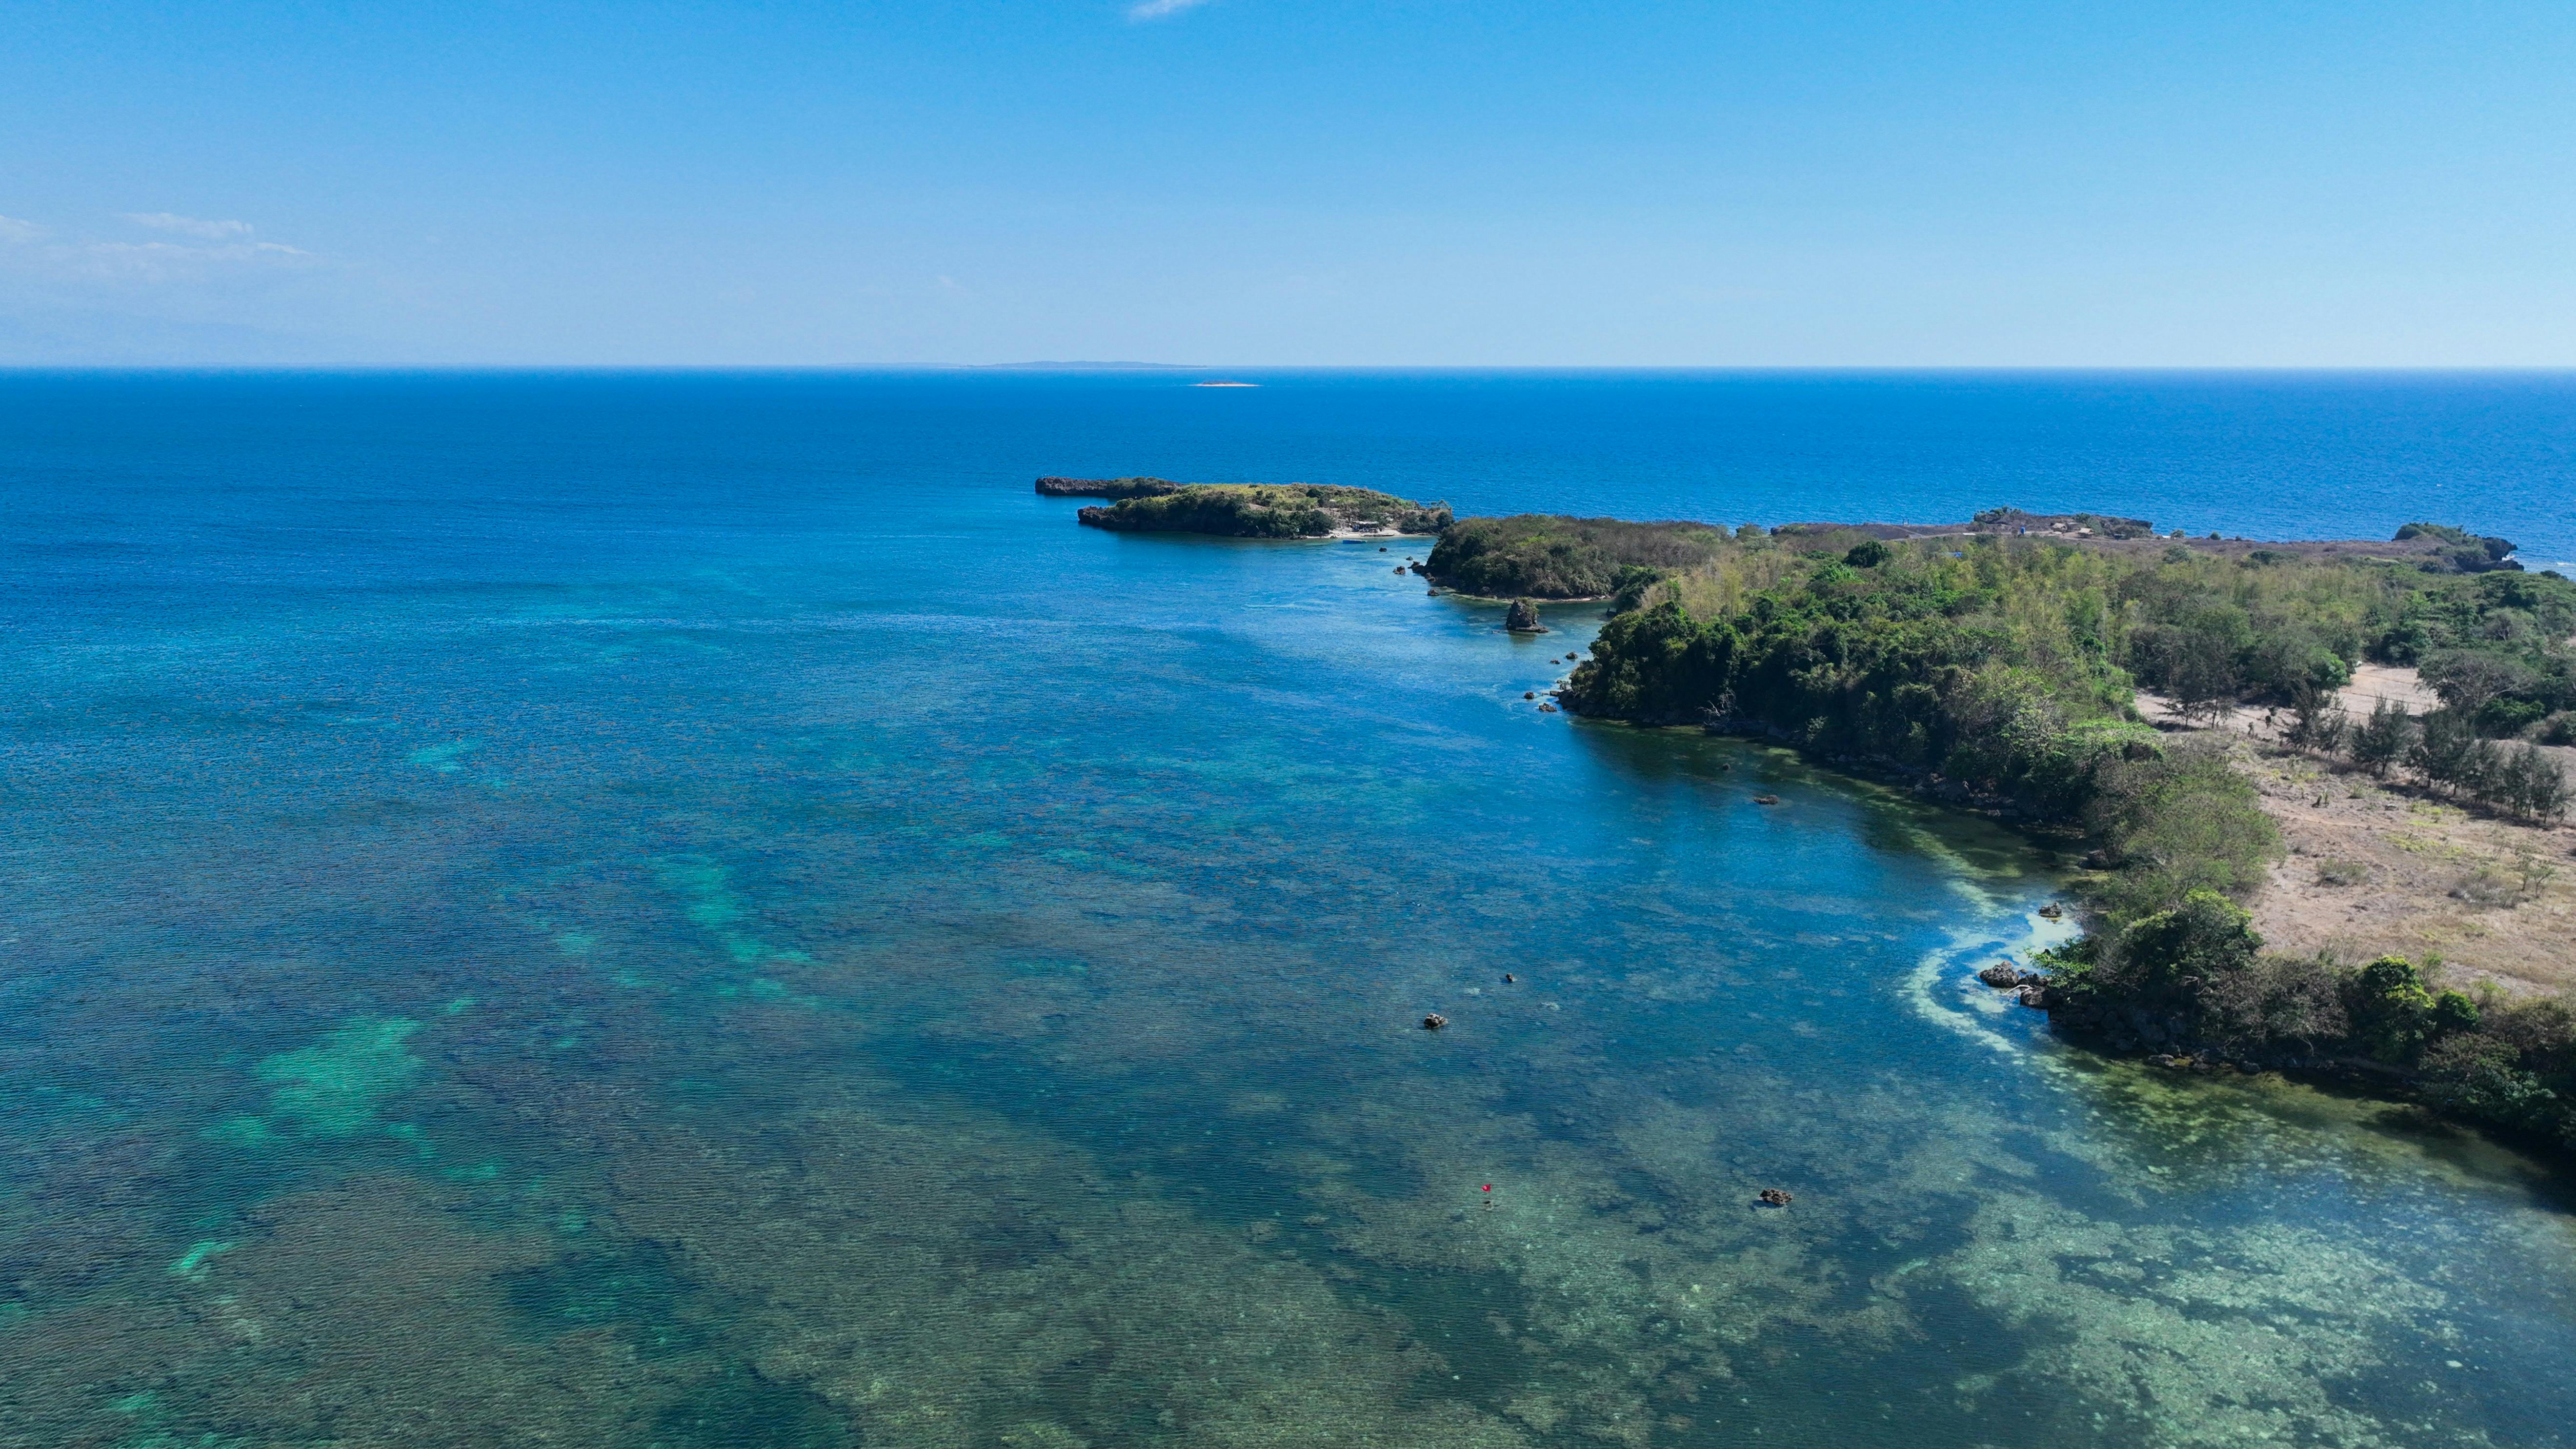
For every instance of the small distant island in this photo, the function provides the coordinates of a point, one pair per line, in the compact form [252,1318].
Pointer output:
[2227,730]
[1247,510]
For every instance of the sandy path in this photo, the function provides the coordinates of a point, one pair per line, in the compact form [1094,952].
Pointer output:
[2372,683]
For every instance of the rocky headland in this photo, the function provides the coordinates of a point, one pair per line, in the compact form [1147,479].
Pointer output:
[1267,510]
[1139,487]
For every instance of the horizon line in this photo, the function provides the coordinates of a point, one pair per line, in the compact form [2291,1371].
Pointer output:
[2526,369]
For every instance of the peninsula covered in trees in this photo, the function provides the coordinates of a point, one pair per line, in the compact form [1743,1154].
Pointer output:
[2000,666]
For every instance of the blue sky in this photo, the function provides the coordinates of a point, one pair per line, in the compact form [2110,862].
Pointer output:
[1253,181]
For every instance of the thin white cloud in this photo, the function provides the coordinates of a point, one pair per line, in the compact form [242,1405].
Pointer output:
[173,261]
[12,229]
[1159,9]
[189,225]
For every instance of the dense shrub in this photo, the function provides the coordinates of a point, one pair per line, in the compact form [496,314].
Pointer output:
[2278,1002]
[1550,557]
[2178,822]
[2177,953]
[2480,1078]
[1991,666]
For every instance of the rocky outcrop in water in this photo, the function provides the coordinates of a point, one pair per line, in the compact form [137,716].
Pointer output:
[1269,510]
[1138,487]
[1523,618]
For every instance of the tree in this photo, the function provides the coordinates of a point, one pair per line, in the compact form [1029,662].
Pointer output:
[2526,781]
[2317,721]
[2391,1011]
[2383,739]
[2447,752]
[2466,679]
[2179,952]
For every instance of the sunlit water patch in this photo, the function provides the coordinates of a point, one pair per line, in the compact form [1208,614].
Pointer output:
[769,985]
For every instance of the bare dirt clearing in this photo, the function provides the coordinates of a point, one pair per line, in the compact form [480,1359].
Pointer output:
[2379,869]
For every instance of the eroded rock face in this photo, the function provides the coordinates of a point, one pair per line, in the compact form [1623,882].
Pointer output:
[1523,618]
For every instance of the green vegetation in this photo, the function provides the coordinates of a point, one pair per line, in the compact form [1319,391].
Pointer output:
[1266,510]
[1993,668]
[2194,978]
[2002,672]
[1546,556]
[2468,552]
[2177,822]
[2008,666]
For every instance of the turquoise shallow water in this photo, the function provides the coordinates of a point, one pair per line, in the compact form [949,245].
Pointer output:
[556,911]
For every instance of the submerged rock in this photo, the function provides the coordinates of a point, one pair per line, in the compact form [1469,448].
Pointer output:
[1777,1197]
[1523,618]
[1766,799]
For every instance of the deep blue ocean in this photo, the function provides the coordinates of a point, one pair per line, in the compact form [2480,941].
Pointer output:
[696,910]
